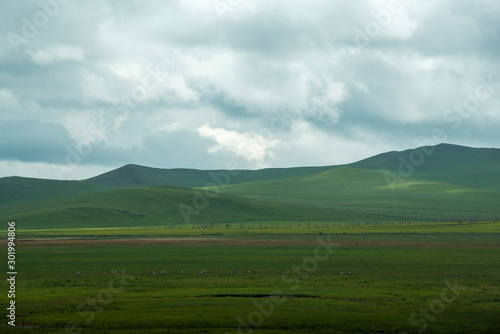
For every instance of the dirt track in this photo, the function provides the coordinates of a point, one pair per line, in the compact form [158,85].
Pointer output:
[144,242]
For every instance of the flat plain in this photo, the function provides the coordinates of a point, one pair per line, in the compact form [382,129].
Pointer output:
[265,282]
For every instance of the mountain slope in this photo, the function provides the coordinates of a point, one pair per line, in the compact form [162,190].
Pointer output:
[459,165]
[130,176]
[365,191]
[15,190]
[464,166]
[163,206]
[23,190]
[445,182]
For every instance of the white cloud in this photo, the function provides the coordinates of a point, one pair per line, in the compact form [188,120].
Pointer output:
[304,143]
[251,146]
[85,127]
[261,86]
[8,102]
[58,53]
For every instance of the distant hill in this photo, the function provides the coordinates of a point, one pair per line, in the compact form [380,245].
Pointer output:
[365,191]
[22,190]
[439,183]
[163,206]
[130,176]
[446,182]
[464,166]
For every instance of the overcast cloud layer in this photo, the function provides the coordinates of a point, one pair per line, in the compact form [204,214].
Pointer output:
[87,86]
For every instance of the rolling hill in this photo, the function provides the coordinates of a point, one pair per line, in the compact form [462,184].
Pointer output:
[459,165]
[464,166]
[163,206]
[440,183]
[130,176]
[371,191]
[15,189]
[444,182]
[23,190]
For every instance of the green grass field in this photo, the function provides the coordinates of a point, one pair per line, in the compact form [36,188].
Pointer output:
[160,206]
[394,275]
[268,229]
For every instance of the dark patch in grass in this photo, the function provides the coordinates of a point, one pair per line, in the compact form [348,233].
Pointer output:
[259,296]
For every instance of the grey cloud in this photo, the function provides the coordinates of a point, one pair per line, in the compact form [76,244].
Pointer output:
[238,72]
[31,141]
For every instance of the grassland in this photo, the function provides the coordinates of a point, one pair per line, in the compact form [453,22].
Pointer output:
[422,252]
[15,190]
[130,176]
[342,195]
[161,205]
[444,163]
[365,191]
[392,277]
[270,229]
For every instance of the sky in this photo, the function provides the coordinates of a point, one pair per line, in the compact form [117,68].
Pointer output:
[89,86]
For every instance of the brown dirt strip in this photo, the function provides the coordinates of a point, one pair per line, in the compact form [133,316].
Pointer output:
[144,242]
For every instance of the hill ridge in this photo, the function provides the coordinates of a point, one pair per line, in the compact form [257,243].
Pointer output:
[448,164]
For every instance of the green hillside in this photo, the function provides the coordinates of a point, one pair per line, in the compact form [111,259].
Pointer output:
[368,191]
[464,166]
[130,176]
[22,190]
[161,206]
[441,183]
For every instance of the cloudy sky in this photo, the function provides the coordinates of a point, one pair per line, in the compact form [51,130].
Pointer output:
[88,86]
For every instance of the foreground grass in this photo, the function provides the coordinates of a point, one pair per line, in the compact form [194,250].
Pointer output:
[387,286]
